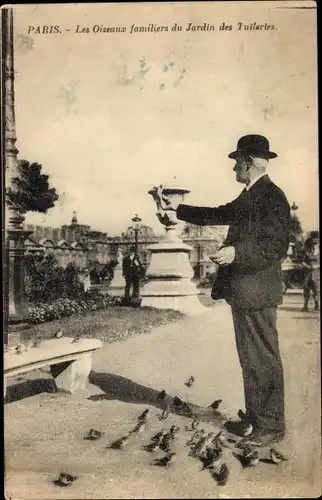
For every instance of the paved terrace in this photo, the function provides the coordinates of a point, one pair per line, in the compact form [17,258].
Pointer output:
[44,432]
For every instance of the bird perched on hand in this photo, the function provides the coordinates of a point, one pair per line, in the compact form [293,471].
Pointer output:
[211,459]
[276,456]
[165,461]
[221,476]
[94,435]
[165,413]
[140,427]
[59,334]
[162,395]
[120,444]
[65,479]
[215,405]
[144,416]
[190,381]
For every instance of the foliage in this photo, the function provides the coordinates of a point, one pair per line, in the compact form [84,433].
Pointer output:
[65,307]
[30,191]
[46,281]
[296,226]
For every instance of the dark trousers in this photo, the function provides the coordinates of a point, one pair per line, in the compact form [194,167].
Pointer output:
[135,283]
[308,286]
[259,356]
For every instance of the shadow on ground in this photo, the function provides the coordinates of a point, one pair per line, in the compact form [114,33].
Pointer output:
[126,390]
[29,388]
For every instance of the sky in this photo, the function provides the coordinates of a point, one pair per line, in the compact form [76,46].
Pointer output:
[110,115]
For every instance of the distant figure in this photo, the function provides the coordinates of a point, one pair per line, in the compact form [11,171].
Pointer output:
[132,272]
[311,266]
[85,278]
[94,276]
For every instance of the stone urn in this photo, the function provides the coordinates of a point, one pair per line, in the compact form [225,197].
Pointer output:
[170,272]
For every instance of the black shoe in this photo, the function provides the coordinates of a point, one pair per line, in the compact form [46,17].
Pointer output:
[261,437]
[305,309]
[316,307]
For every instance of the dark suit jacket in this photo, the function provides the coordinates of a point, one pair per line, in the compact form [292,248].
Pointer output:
[259,221]
[131,268]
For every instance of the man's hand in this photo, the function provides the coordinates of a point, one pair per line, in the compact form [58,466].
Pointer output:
[165,202]
[224,256]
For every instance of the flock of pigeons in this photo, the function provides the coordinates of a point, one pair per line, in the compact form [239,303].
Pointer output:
[206,447]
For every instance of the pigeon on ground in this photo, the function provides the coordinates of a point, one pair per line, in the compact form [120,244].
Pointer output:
[65,479]
[165,461]
[221,476]
[196,437]
[211,459]
[77,338]
[59,334]
[144,416]
[218,440]
[165,413]
[190,381]
[182,406]
[158,437]
[276,456]
[194,425]
[162,395]
[140,427]
[20,349]
[120,444]
[94,435]
[201,445]
[174,431]
[249,459]
[215,405]
[166,443]
[152,447]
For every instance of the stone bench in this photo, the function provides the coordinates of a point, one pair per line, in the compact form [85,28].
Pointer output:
[70,362]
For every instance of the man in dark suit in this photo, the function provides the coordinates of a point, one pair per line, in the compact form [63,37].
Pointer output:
[250,280]
[132,274]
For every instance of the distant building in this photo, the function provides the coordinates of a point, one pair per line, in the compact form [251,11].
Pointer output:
[88,248]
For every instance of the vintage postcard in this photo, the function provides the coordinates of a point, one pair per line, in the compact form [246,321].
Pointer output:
[161,274]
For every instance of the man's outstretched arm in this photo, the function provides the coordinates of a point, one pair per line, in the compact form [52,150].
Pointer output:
[209,216]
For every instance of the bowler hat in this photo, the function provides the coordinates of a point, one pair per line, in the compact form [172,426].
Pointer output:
[253,144]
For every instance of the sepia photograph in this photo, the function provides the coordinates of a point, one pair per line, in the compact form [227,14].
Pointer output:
[161,250]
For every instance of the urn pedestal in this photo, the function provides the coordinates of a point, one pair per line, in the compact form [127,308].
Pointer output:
[118,280]
[170,272]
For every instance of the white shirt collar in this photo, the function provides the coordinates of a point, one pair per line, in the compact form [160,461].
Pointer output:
[254,180]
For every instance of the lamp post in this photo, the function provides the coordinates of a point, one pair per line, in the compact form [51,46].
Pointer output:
[136,227]
[15,235]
